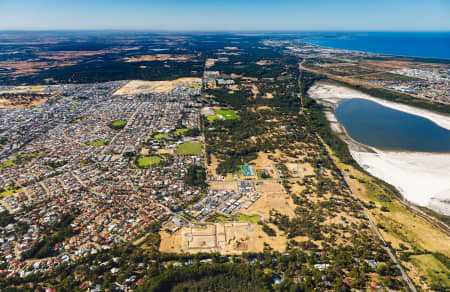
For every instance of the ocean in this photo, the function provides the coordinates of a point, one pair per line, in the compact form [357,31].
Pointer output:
[414,44]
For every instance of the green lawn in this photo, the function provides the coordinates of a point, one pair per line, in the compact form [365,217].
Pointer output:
[148,161]
[117,125]
[435,270]
[190,148]
[251,219]
[180,131]
[102,142]
[161,136]
[222,218]
[212,118]
[7,164]
[20,159]
[194,85]
[261,174]
[10,190]
[227,114]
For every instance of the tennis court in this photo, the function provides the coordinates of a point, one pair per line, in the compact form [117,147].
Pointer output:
[247,170]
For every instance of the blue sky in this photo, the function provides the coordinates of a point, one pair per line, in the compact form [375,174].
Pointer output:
[226,15]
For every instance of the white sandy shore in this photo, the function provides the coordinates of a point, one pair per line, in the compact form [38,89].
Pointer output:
[422,178]
[418,176]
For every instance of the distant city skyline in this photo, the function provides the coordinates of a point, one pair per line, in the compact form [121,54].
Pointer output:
[231,15]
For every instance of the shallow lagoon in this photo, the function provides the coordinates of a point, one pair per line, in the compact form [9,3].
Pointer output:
[375,125]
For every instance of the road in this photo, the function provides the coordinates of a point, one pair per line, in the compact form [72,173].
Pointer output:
[374,228]
[372,225]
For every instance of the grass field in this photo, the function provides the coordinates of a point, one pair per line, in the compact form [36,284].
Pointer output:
[212,118]
[20,159]
[180,131]
[7,164]
[148,161]
[193,85]
[437,272]
[117,125]
[161,136]
[227,114]
[9,190]
[262,175]
[190,148]
[222,218]
[250,218]
[102,142]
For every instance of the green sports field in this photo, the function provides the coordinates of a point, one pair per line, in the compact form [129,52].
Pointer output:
[227,114]
[102,142]
[117,125]
[190,148]
[250,218]
[212,118]
[161,136]
[180,131]
[148,161]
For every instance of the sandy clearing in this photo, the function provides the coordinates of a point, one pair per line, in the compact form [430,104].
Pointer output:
[254,90]
[333,94]
[159,57]
[140,86]
[210,62]
[281,202]
[263,62]
[223,185]
[418,176]
[165,151]
[222,237]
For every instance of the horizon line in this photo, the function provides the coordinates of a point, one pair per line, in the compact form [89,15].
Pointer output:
[217,30]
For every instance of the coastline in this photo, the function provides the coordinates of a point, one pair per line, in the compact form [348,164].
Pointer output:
[333,42]
[422,178]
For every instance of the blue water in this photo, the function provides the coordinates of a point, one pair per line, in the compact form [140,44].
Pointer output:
[415,44]
[373,124]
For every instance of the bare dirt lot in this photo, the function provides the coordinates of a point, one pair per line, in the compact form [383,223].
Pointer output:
[264,62]
[210,62]
[47,60]
[139,86]
[159,57]
[22,103]
[222,237]
[263,162]
[280,202]
[223,185]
